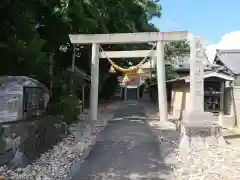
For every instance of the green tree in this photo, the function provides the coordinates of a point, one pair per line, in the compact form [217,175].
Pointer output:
[172,50]
[32,32]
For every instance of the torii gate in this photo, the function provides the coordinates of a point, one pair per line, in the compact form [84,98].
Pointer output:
[196,64]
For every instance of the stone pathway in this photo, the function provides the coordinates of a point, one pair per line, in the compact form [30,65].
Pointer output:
[126,149]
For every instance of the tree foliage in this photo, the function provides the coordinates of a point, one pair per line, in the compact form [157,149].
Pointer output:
[174,49]
[33,32]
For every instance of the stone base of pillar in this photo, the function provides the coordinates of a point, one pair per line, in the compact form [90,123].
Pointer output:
[198,134]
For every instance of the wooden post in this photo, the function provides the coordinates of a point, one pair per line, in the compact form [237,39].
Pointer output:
[51,73]
[83,97]
[73,62]
[161,80]
[221,114]
[94,83]
[125,92]
[121,92]
[138,92]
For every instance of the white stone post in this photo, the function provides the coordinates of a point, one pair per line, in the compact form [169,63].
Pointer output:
[196,74]
[94,83]
[195,113]
[197,127]
[161,80]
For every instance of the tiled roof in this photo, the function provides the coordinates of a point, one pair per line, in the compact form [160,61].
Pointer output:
[206,75]
[231,59]
[82,74]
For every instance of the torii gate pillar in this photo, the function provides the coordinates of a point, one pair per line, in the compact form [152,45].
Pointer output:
[93,115]
[161,81]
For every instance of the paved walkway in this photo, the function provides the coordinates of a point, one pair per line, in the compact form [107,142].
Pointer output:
[126,149]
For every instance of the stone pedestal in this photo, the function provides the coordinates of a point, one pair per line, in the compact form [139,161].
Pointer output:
[199,133]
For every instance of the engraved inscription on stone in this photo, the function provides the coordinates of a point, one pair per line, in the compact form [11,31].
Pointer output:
[199,83]
[198,93]
[199,49]
[199,54]
[198,61]
[199,70]
[199,88]
[199,44]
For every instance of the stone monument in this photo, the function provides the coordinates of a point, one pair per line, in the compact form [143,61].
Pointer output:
[198,130]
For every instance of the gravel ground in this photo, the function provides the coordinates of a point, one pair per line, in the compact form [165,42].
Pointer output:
[56,163]
[214,163]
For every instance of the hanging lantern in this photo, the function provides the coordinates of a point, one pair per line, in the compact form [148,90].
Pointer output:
[140,71]
[125,79]
[112,70]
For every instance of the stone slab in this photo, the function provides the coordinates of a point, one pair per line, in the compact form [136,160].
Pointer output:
[197,117]
[198,133]
[203,130]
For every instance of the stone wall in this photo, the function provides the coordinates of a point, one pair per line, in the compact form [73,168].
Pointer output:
[23,141]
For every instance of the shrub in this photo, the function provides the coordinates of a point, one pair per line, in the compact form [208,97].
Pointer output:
[69,108]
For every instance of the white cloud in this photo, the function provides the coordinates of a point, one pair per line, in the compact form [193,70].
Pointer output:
[228,41]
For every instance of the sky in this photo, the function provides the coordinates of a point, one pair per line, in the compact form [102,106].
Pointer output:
[210,19]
